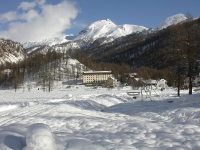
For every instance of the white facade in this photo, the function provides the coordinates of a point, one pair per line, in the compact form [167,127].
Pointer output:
[96,76]
[162,83]
[196,81]
[111,82]
[151,82]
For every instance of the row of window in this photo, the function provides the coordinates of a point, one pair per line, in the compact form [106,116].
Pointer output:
[98,76]
[96,81]
[95,78]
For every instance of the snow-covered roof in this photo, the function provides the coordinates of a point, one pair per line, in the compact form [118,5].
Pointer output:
[162,81]
[132,74]
[96,72]
[137,79]
[151,81]
[111,78]
[7,71]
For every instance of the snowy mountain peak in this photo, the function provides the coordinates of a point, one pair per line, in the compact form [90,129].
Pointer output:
[101,23]
[96,29]
[106,28]
[171,21]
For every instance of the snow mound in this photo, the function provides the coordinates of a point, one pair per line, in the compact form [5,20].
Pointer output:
[11,137]
[8,107]
[39,137]
[172,21]
[68,96]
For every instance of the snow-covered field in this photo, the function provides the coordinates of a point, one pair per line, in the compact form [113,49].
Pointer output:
[86,118]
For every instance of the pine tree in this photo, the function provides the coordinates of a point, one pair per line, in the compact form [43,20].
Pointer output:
[183,49]
[15,81]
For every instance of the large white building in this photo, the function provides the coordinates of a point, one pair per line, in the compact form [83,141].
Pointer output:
[96,76]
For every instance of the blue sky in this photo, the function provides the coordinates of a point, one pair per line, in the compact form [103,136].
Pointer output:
[23,20]
[148,13]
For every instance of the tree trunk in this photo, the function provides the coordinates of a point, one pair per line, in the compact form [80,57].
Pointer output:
[190,78]
[179,78]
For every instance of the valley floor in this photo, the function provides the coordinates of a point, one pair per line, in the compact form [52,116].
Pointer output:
[84,118]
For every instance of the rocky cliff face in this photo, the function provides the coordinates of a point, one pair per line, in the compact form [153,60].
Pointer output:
[11,51]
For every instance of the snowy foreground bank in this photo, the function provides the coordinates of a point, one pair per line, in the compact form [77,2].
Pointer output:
[84,118]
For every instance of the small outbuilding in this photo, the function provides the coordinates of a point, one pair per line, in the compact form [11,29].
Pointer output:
[111,82]
[196,81]
[162,83]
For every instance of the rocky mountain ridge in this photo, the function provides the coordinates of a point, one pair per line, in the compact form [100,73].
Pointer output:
[11,51]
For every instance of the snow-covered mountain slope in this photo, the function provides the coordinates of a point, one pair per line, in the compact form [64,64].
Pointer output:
[59,48]
[11,52]
[172,21]
[96,34]
[50,42]
[106,28]
[104,31]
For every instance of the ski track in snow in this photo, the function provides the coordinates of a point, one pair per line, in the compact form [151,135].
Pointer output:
[107,119]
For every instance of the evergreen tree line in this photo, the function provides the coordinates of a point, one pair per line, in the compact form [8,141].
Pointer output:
[13,75]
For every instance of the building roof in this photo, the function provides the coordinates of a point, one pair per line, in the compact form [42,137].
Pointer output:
[111,78]
[97,72]
[133,74]
[162,81]
[151,81]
